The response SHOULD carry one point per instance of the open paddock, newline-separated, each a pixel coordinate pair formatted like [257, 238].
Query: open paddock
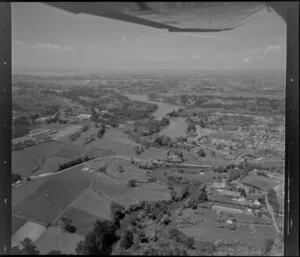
[118, 191]
[154, 153]
[54, 239]
[116, 141]
[263, 182]
[64, 133]
[82, 220]
[130, 170]
[25, 161]
[17, 223]
[29, 229]
[50, 199]
[91, 202]
[206, 231]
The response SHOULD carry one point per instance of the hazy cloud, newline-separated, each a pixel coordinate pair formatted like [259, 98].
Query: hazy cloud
[123, 38]
[166, 59]
[141, 39]
[197, 56]
[52, 47]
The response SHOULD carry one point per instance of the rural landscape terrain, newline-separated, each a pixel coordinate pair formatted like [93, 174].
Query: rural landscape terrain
[149, 163]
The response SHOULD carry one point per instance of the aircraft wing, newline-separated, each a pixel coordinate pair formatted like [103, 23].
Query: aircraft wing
[174, 16]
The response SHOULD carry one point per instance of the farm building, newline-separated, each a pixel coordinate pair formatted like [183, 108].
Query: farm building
[219, 184]
[219, 209]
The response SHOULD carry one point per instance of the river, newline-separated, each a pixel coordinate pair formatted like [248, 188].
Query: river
[177, 127]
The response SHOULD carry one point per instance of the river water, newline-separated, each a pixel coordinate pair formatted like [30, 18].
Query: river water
[177, 127]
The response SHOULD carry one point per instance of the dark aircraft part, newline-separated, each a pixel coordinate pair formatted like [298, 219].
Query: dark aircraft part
[173, 16]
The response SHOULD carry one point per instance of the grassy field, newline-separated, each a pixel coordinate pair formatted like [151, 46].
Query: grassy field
[17, 223]
[206, 231]
[54, 239]
[29, 229]
[50, 199]
[118, 191]
[154, 153]
[116, 141]
[92, 203]
[19, 194]
[83, 221]
[64, 133]
[262, 182]
[130, 170]
[25, 161]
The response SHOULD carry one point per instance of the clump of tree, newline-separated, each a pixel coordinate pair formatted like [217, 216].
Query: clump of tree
[201, 153]
[74, 162]
[127, 239]
[191, 128]
[101, 131]
[131, 183]
[67, 225]
[28, 248]
[242, 191]
[15, 178]
[100, 240]
[117, 212]
[180, 237]
[54, 252]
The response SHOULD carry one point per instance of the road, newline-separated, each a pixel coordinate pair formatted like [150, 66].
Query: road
[109, 157]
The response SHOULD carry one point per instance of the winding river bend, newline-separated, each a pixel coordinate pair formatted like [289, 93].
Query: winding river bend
[177, 127]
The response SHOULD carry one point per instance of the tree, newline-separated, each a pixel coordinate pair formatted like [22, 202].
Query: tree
[242, 191]
[131, 183]
[28, 248]
[201, 153]
[101, 132]
[116, 212]
[127, 239]
[67, 225]
[100, 240]
[54, 252]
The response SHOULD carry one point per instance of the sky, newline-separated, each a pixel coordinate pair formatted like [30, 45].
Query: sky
[45, 37]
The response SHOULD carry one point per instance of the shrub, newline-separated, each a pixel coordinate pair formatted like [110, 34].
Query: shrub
[116, 211]
[127, 239]
[131, 183]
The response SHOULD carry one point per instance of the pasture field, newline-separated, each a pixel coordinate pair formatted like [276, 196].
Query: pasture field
[116, 141]
[130, 170]
[206, 231]
[29, 229]
[64, 133]
[82, 220]
[154, 153]
[263, 182]
[118, 191]
[54, 239]
[97, 152]
[51, 164]
[17, 223]
[19, 194]
[50, 199]
[92, 203]
[25, 161]
[70, 151]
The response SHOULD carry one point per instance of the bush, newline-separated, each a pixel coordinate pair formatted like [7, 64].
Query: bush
[127, 239]
[67, 225]
[116, 212]
[268, 244]
[15, 177]
[131, 183]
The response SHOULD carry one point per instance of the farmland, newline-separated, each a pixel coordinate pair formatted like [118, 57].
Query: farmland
[149, 157]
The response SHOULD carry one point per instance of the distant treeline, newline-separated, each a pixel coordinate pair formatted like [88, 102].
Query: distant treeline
[74, 162]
